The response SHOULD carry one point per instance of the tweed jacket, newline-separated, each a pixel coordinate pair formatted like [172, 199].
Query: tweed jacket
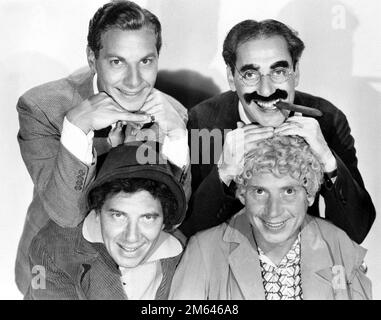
[348, 204]
[223, 263]
[76, 269]
[59, 178]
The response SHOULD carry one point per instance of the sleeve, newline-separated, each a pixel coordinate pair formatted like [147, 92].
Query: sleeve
[58, 176]
[348, 204]
[211, 204]
[190, 279]
[77, 142]
[48, 281]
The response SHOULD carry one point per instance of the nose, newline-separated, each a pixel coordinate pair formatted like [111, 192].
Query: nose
[265, 86]
[132, 232]
[273, 207]
[132, 78]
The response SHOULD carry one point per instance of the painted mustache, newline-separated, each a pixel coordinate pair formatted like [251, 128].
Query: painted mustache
[278, 94]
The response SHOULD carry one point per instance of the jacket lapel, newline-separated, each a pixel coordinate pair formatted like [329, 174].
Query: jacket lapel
[97, 277]
[243, 258]
[316, 264]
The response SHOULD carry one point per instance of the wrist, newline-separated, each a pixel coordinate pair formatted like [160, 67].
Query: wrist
[329, 163]
[77, 121]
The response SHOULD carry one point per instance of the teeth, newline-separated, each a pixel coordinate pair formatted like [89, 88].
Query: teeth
[129, 93]
[129, 249]
[267, 105]
[274, 225]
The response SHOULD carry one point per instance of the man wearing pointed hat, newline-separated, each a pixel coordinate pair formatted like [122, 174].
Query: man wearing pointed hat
[124, 249]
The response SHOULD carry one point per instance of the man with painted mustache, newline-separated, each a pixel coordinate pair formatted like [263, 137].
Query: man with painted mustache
[262, 64]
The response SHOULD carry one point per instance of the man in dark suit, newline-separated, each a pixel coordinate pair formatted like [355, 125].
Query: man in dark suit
[262, 61]
[66, 124]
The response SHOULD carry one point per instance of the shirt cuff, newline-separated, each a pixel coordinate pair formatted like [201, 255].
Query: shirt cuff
[77, 142]
[175, 149]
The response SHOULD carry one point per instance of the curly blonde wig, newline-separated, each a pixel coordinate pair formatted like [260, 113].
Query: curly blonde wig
[283, 155]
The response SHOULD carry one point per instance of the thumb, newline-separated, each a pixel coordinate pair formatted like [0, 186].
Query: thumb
[240, 124]
[129, 136]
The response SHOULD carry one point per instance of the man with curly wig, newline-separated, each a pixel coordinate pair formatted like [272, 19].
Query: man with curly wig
[272, 249]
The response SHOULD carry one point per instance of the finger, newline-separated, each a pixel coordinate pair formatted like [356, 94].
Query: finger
[256, 129]
[240, 124]
[257, 136]
[293, 132]
[289, 126]
[133, 117]
[301, 120]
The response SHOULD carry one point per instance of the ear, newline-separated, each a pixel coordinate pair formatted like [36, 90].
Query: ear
[296, 74]
[230, 77]
[97, 214]
[310, 200]
[91, 59]
[241, 195]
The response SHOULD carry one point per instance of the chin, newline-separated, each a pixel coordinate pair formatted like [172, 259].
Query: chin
[128, 263]
[275, 121]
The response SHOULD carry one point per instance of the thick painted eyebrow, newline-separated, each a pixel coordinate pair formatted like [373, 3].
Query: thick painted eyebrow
[248, 67]
[280, 64]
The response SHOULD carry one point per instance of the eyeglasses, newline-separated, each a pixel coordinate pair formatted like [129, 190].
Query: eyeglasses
[277, 75]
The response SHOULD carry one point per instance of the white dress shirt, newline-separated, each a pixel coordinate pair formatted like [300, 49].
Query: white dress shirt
[81, 144]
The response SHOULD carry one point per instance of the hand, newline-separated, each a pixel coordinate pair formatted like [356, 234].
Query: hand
[309, 129]
[166, 116]
[237, 144]
[100, 111]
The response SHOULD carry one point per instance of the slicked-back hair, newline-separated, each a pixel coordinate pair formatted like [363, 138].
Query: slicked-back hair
[158, 190]
[123, 15]
[251, 29]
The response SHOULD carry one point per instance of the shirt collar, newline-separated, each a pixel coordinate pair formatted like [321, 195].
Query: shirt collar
[292, 256]
[95, 84]
[166, 246]
[242, 114]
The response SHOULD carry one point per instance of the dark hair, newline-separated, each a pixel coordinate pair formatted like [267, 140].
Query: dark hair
[251, 29]
[158, 190]
[124, 15]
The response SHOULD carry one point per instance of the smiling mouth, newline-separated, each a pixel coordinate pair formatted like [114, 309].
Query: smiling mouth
[274, 226]
[130, 93]
[129, 249]
[267, 106]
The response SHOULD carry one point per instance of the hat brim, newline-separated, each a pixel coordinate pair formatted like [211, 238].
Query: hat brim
[152, 172]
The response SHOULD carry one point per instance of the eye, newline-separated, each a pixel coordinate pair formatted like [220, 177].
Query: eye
[118, 215]
[259, 191]
[147, 61]
[115, 62]
[250, 75]
[150, 217]
[289, 191]
[279, 72]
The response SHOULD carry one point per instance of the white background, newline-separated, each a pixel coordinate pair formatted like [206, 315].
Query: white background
[43, 40]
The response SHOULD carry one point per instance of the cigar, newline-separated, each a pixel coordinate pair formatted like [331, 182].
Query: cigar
[298, 108]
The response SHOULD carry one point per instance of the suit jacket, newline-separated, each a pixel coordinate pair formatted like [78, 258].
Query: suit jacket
[59, 178]
[76, 269]
[223, 263]
[348, 204]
